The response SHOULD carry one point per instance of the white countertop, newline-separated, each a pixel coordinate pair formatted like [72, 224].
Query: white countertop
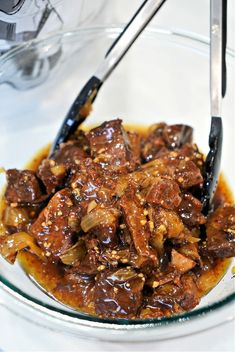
[17, 334]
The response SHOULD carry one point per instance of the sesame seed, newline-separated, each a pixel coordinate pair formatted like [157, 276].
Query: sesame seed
[155, 284]
[14, 205]
[162, 228]
[114, 252]
[143, 222]
[146, 212]
[101, 267]
[59, 213]
[124, 260]
[49, 222]
[69, 203]
[74, 185]
[151, 225]
[115, 289]
[141, 275]
[127, 284]
[122, 226]
[48, 254]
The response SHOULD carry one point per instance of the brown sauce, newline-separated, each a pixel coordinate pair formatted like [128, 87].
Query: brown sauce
[51, 278]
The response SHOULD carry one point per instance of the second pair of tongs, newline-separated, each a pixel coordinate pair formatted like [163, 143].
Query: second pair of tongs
[218, 34]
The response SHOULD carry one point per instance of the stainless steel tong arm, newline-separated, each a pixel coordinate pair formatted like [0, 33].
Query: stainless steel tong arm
[216, 56]
[140, 20]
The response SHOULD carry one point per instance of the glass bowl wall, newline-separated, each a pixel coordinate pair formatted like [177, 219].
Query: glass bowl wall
[164, 77]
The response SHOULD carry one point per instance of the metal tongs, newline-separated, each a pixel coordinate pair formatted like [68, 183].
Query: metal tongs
[218, 38]
[82, 105]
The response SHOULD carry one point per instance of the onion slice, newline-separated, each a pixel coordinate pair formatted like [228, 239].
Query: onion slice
[15, 243]
[99, 217]
[75, 253]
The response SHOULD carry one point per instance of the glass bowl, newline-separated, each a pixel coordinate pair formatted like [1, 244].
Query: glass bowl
[164, 77]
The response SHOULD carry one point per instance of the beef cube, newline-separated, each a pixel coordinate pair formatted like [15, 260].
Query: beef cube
[80, 288]
[51, 174]
[192, 152]
[90, 182]
[153, 143]
[175, 136]
[118, 293]
[137, 224]
[164, 192]
[190, 297]
[87, 180]
[89, 265]
[70, 154]
[187, 174]
[162, 138]
[190, 210]
[22, 187]
[175, 298]
[181, 262]
[57, 224]
[220, 229]
[110, 146]
[184, 172]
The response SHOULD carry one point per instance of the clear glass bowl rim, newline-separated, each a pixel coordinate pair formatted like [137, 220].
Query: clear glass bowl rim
[81, 318]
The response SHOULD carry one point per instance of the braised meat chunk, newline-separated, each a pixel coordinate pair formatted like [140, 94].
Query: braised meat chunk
[221, 232]
[172, 297]
[165, 193]
[190, 210]
[112, 223]
[138, 226]
[110, 146]
[162, 138]
[52, 175]
[118, 293]
[22, 187]
[70, 154]
[56, 225]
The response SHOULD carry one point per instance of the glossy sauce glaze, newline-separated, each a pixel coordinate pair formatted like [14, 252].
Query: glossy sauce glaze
[51, 278]
[79, 294]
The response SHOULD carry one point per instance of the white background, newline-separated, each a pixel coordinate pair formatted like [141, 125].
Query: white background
[19, 335]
